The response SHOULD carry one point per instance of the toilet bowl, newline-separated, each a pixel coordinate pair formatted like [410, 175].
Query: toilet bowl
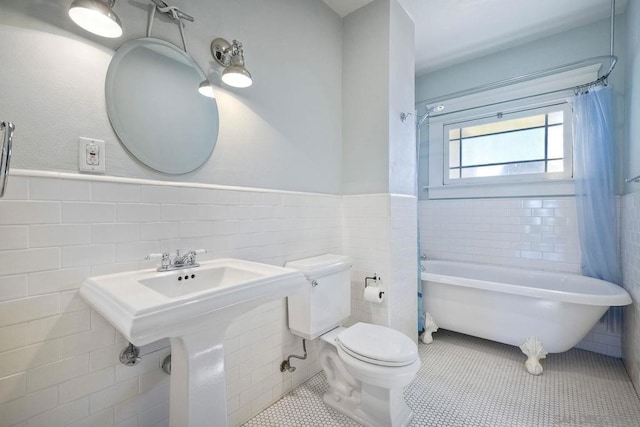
[367, 380]
[367, 366]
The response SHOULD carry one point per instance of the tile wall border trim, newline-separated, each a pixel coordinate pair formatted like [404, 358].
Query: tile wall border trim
[408, 196]
[30, 173]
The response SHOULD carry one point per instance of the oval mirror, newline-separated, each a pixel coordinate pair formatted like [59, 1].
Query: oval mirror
[156, 109]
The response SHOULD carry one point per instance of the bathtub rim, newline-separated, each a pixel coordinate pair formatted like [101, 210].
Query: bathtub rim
[619, 297]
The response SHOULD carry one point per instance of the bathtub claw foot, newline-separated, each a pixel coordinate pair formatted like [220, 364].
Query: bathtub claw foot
[429, 328]
[534, 350]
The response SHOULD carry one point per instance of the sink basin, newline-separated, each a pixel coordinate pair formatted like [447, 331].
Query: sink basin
[193, 308]
[147, 305]
[196, 280]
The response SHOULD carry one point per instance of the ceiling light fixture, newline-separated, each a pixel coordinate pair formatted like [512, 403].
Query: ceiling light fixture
[97, 17]
[231, 56]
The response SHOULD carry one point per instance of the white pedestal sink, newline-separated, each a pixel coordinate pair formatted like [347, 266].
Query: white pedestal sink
[193, 308]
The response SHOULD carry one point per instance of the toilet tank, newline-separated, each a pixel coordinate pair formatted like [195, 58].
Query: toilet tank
[326, 302]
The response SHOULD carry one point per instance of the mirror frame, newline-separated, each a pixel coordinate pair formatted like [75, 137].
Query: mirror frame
[167, 156]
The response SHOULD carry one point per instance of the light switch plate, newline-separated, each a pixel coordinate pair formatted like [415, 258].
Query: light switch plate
[91, 155]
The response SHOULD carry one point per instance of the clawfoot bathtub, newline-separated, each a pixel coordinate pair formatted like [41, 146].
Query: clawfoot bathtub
[540, 312]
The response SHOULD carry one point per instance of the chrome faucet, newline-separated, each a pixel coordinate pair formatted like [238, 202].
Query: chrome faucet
[188, 260]
[182, 260]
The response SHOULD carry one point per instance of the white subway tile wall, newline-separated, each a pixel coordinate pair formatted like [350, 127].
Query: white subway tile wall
[366, 237]
[59, 359]
[534, 233]
[523, 232]
[630, 254]
[403, 299]
[380, 235]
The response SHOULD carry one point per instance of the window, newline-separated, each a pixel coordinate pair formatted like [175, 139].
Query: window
[506, 147]
[512, 141]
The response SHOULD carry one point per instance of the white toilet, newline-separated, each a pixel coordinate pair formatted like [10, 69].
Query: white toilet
[367, 366]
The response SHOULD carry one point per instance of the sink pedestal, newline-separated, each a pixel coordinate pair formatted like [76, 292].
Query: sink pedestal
[198, 388]
[193, 307]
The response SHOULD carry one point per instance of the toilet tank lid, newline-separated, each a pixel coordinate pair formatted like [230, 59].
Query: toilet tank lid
[322, 265]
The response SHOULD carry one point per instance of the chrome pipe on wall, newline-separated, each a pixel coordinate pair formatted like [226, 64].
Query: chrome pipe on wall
[5, 159]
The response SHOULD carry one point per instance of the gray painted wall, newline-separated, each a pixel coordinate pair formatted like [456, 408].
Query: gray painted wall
[365, 100]
[630, 215]
[402, 136]
[284, 132]
[631, 165]
[378, 84]
[559, 49]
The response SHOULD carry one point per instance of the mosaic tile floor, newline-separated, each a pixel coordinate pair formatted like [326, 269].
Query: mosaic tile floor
[466, 381]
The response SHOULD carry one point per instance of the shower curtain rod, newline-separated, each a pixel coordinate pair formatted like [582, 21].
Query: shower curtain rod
[537, 74]
[528, 77]
[519, 79]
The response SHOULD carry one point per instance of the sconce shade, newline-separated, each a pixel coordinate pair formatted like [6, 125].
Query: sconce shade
[206, 89]
[96, 17]
[231, 57]
[237, 76]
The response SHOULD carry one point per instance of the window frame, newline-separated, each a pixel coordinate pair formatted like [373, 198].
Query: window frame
[531, 95]
[499, 116]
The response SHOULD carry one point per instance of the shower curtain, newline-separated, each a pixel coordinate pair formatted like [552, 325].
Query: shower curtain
[594, 175]
[419, 122]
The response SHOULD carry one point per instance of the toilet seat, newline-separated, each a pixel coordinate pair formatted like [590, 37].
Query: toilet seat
[377, 345]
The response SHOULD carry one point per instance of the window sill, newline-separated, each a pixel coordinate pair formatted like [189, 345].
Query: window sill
[542, 188]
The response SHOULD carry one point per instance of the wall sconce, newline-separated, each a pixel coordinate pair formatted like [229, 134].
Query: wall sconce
[97, 17]
[206, 89]
[231, 56]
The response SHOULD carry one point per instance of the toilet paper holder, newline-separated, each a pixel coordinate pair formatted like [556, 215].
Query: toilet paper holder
[372, 293]
[375, 278]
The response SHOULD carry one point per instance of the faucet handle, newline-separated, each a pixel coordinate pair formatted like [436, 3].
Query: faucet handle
[164, 257]
[192, 254]
[156, 256]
